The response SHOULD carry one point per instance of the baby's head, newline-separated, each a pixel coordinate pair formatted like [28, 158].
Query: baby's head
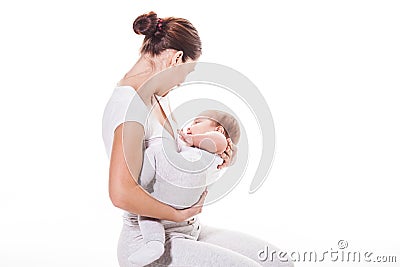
[216, 120]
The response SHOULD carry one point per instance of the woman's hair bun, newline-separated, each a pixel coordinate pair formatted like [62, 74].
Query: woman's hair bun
[146, 24]
[167, 33]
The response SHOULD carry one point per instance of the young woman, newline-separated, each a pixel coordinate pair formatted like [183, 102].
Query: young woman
[170, 49]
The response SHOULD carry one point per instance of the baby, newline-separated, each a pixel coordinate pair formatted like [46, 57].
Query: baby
[179, 176]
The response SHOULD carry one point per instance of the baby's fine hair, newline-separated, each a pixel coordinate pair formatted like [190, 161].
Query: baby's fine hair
[227, 121]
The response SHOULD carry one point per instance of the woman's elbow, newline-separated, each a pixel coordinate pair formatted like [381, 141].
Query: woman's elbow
[116, 191]
[116, 199]
[121, 187]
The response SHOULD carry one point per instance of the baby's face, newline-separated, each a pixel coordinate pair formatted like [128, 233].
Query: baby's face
[201, 125]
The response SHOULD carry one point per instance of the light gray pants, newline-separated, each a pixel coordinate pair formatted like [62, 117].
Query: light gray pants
[191, 244]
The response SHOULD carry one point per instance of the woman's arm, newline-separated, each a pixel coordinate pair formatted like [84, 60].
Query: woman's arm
[124, 190]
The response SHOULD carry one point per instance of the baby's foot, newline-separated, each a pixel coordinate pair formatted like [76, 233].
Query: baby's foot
[150, 252]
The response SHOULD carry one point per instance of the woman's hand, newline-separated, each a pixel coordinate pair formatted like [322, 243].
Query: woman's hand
[184, 214]
[227, 155]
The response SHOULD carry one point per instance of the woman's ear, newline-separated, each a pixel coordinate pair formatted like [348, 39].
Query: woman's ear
[177, 58]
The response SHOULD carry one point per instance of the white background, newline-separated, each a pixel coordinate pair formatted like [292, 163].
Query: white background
[329, 71]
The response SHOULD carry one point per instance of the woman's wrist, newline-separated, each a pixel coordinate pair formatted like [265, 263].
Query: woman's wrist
[175, 215]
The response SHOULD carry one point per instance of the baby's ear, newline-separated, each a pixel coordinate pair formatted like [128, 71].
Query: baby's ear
[220, 129]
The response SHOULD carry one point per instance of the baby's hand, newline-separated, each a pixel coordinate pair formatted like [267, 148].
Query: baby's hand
[185, 137]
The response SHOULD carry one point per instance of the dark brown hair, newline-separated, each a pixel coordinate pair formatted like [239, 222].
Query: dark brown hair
[167, 33]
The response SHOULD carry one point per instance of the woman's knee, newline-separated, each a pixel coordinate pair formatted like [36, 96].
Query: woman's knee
[244, 244]
[185, 252]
